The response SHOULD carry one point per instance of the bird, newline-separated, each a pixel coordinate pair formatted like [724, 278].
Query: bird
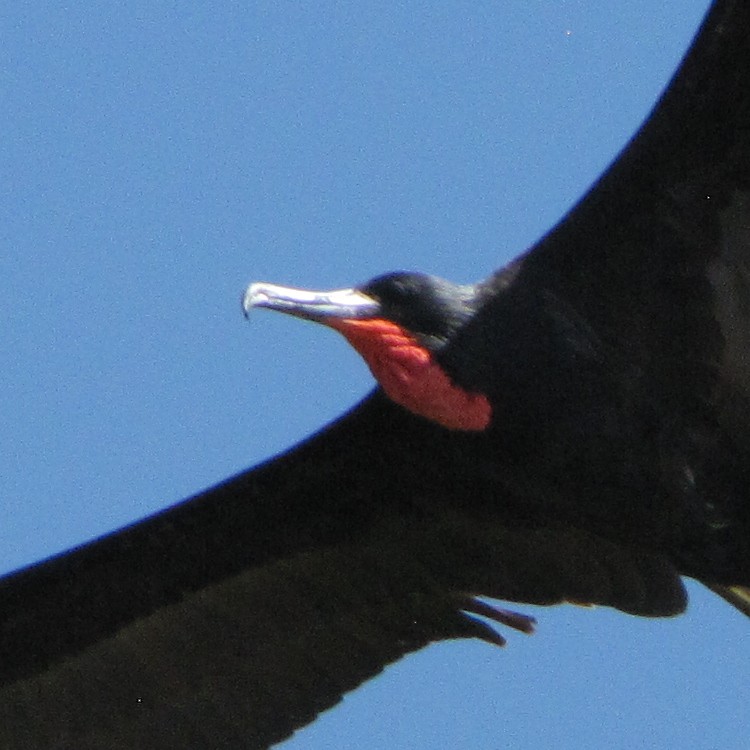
[574, 428]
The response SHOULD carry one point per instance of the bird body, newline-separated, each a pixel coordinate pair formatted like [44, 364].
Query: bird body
[575, 428]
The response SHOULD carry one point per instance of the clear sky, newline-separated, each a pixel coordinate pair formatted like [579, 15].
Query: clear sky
[157, 156]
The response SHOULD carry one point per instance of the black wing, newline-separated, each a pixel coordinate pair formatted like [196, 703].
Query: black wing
[649, 276]
[235, 617]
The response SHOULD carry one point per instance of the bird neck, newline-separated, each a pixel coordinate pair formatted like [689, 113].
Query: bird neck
[411, 376]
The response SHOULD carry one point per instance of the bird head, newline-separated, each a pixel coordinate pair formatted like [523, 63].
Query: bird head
[398, 323]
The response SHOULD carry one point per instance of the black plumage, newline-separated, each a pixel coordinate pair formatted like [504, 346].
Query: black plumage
[622, 471]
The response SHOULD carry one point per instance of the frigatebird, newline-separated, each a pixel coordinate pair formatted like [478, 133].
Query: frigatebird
[605, 452]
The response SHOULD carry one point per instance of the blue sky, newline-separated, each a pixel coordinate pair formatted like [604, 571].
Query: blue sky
[158, 156]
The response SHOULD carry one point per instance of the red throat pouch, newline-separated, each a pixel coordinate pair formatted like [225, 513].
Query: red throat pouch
[410, 376]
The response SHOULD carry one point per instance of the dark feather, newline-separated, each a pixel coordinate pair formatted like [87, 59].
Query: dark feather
[234, 618]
